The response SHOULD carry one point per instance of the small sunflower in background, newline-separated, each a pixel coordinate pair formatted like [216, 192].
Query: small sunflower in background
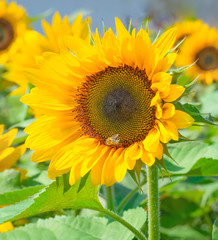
[13, 24]
[34, 44]
[105, 105]
[202, 48]
[9, 155]
[187, 28]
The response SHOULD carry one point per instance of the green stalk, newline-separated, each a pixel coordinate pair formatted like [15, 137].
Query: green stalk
[153, 203]
[110, 197]
[119, 219]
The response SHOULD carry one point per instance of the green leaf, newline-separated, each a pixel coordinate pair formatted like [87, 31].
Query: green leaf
[12, 197]
[209, 102]
[9, 180]
[24, 123]
[20, 138]
[194, 112]
[54, 198]
[193, 158]
[115, 230]
[183, 233]
[12, 110]
[74, 228]
[215, 230]
[41, 16]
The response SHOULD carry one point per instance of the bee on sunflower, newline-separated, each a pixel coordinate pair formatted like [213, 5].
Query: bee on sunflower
[202, 48]
[106, 105]
[34, 44]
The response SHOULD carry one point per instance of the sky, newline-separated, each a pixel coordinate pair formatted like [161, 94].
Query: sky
[162, 11]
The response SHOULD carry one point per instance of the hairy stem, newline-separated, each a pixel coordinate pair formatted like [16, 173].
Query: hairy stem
[110, 197]
[153, 203]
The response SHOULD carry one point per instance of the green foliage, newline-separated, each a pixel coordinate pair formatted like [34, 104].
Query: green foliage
[12, 110]
[9, 180]
[183, 232]
[53, 198]
[68, 227]
[194, 159]
[195, 113]
[215, 230]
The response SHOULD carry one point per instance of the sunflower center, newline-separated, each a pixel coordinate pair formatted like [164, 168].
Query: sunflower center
[207, 58]
[119, 105]
[114, 104]
[6, 34]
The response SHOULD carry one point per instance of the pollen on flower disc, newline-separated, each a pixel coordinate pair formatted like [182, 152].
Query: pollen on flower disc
[116, 101]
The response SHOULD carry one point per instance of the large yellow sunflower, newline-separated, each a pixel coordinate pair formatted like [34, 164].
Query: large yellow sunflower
[104, 106]
[34, 44]
[13, 24]
[201, 47]
[9, 155]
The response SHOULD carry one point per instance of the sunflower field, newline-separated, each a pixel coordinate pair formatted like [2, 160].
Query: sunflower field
[108, 120]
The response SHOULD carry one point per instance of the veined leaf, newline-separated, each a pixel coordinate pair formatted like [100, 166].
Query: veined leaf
[195, 159]
[194, 112]
[74, 228]
[54, 198]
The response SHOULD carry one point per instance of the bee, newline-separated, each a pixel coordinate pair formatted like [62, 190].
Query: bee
[113, 141]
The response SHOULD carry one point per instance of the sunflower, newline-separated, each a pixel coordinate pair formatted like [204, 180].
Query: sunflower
[201, 47]
[6, 227]
[13, 24]
[9, 155]
[34, 44]
[105, 105]
[187, 28]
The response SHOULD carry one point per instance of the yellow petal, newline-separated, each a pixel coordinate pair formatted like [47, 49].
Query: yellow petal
[108, 171]
[6, 227]
[158, 111]
[10, 156]
[165, 63]
[171, 129]
[151, 141]
[1, 129]
[165, 42]
[121, 166]
[168, 110]
[159, 152]
[122, 33]
[7, 138]
[96, 171]
[148, 158]
[75, 174]
[164, 135]
[181, 119]
[175, 92]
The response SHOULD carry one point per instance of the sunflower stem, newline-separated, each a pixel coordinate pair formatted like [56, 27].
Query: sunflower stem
[153, 203]
[110, 197]
[119, 219]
